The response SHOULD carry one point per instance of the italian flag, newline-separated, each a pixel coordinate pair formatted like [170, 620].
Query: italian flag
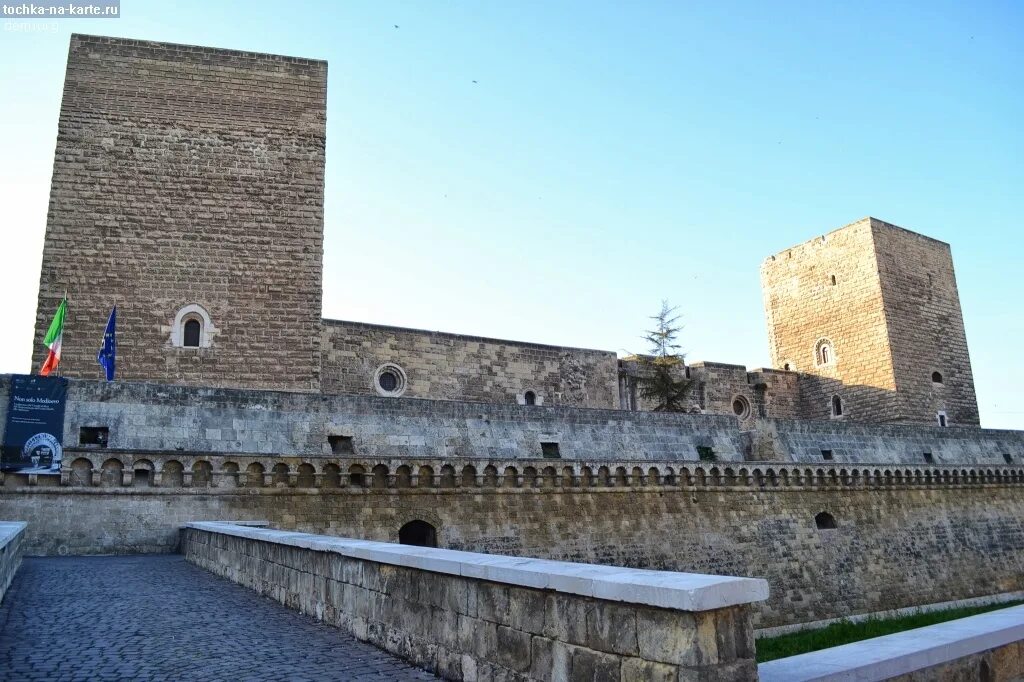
[53, 338]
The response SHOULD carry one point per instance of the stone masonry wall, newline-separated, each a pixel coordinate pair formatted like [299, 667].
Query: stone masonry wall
[851, 443]
[154, 417]
[803, 306]
[900, 541]
[188, 175]
[465, 628]
[455, 367]
[926, 326]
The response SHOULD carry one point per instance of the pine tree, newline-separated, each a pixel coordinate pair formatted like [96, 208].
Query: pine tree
[661, 378]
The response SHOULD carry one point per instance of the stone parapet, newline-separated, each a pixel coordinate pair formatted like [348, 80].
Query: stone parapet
[989, 646]
[470, 616]
[12, 537]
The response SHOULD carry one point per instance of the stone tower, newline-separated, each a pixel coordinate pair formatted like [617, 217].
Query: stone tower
[188, 189]
[869, 314]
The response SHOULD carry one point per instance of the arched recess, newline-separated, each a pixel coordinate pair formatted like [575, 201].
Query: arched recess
[418, 533]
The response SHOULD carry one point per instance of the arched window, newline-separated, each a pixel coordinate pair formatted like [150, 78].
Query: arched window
[824, 521]
[936, 377]
[192, 328]
[191, 336]
[824, 354]
[837, 406]
[530, 398]
[418, 533]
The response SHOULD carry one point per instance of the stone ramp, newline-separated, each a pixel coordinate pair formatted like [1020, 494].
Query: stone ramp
[156, 617]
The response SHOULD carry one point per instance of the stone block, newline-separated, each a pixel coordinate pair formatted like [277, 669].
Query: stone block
[594, 666]
[639, 670]
[667, 636]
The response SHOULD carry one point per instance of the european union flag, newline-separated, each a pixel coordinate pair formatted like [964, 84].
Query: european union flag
[108, 351]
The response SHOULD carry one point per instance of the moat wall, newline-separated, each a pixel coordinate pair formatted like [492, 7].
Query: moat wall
[895, 545]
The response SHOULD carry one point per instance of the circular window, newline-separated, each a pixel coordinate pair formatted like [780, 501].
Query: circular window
[741, 407]
[389, 380]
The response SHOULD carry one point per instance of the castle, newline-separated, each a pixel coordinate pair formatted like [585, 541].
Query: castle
[191, 194]
[188, 189]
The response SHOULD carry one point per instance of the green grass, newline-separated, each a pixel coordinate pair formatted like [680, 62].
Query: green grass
[844, 632]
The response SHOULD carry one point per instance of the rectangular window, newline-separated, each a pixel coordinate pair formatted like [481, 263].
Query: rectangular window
[942, 419]
[706, 453]
[1008, 457]
[342, 445]
[550, 450]
[94, 435]
[929, 458]
[826, 454]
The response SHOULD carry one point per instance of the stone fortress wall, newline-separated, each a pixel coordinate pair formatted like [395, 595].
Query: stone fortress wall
[625, 489]
[445, 366]
[903, 535]
[177, 170]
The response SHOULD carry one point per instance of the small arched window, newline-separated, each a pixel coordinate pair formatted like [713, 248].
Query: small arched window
[936, 377]
[824, 354]
[824, 521]
[192, 328]
[530, 398]
[837, 406]
[192, 333]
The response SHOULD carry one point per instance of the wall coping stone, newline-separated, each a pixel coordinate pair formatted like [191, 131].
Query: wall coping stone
[664, 589]
[10, 530]
[901, 653]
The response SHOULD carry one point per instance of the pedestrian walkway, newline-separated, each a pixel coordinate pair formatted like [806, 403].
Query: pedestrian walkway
[157, 617]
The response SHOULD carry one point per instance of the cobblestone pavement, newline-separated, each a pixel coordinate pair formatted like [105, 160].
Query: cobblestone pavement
[159, 618]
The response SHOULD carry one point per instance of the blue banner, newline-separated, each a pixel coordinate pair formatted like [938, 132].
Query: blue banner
[34, 432]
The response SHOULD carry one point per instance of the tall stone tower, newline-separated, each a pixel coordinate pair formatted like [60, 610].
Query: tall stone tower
[188, 189]
[870, 316]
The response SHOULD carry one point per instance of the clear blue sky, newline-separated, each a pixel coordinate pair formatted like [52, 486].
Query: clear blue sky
[608, 155]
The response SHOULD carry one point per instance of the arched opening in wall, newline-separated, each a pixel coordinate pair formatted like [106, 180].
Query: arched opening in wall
[824, 354]
[279, 475]
[824, 521]
[984, 672]
[530, 398]
[837, 406]
[306, 477]
[192, 327]
[418, 533]
[192, 332]
[142, 473]
[936, 377]
[202, 474]
[356, 476]
[112, 473]
[173, 474]
[81, 472]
